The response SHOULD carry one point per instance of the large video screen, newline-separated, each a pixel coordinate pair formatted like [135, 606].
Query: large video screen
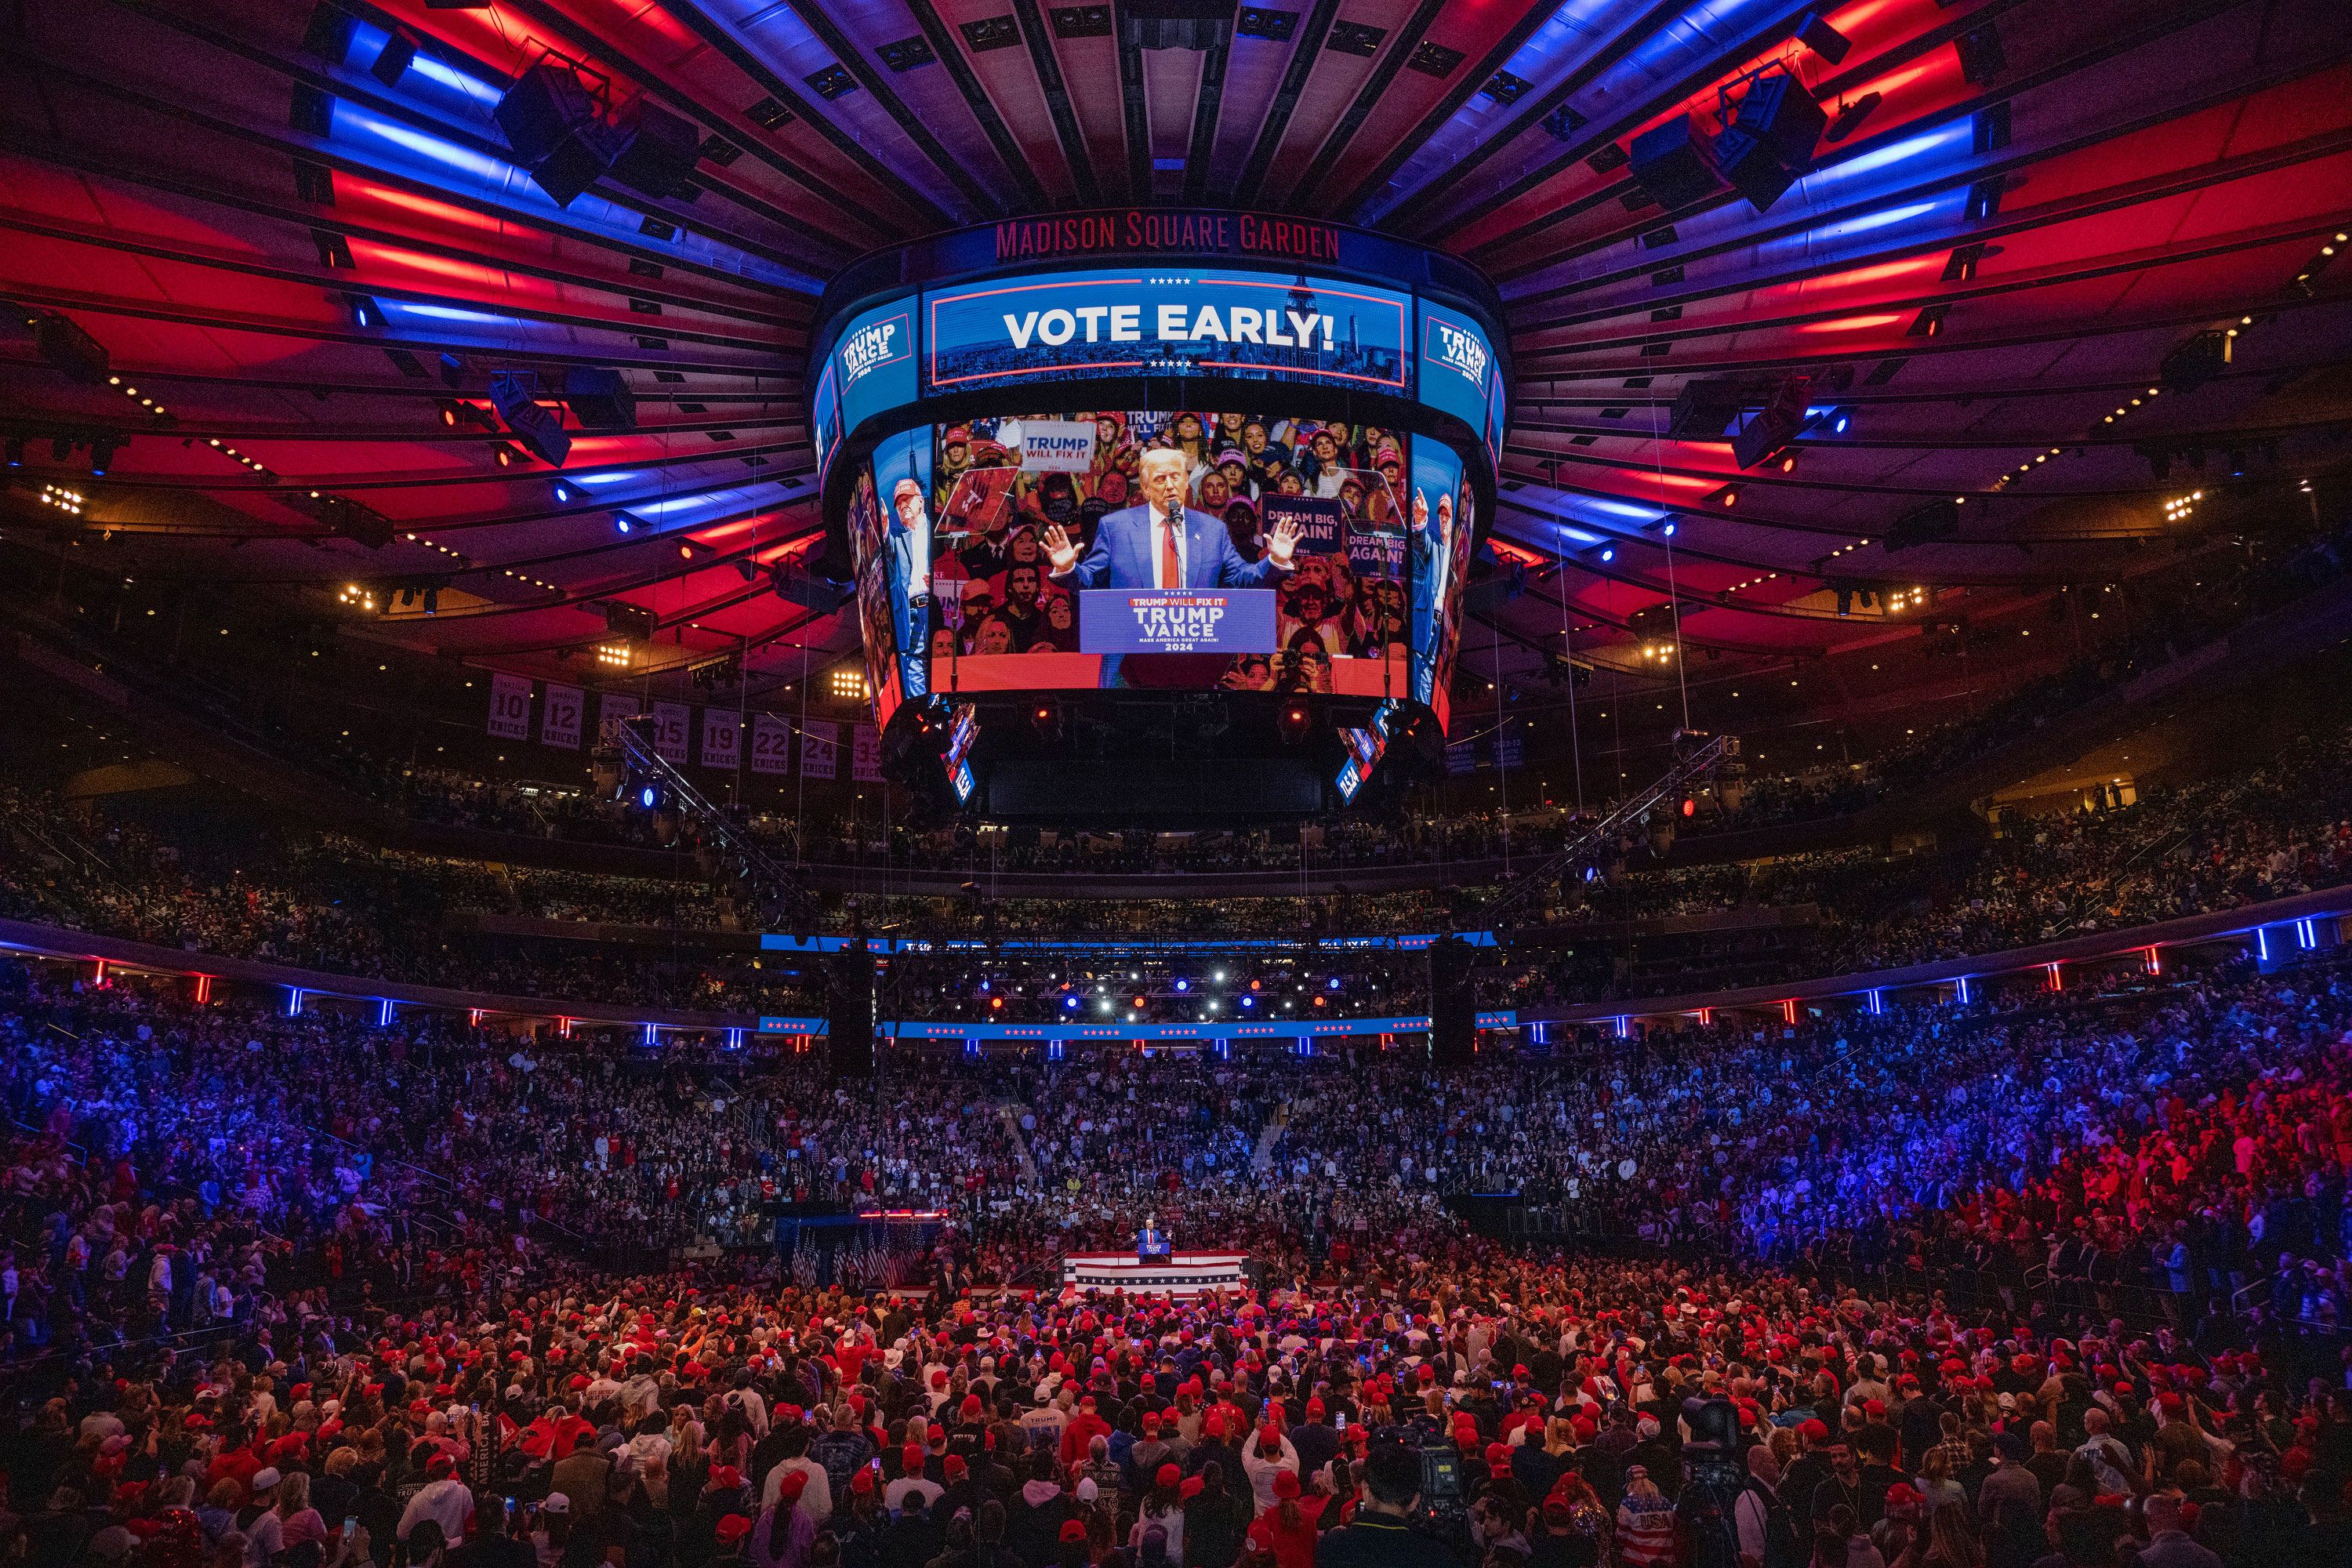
[1045, 544]
[1012, 332]
[1092, 548]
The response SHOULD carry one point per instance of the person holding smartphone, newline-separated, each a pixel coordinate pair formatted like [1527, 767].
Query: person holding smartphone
[495, 1543]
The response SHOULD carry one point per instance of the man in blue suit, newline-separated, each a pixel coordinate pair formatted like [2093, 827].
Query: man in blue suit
[1137, 548]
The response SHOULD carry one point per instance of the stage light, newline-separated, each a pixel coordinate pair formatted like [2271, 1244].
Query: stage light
[1255, 984]
[1294, 722]
[1608, 553]
[563, 493]
[1726, 498]
[615, 655]
[1249, 1001]
[1690, 806]
[515, 395]
[1182, 983]
[16, 449]
[1046, 720]
[648, 797]
[365, 312]
[847, 684]
[1070, 1002]
[623, 522]
[1334, 984]
[1668, 531]
[1840, 421]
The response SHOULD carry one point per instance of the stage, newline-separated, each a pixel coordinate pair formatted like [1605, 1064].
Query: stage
[1178, 1273]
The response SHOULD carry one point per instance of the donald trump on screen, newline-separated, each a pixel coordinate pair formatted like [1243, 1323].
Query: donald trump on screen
[1160, 545]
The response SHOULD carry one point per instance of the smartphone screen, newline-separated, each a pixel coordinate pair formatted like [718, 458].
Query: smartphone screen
[351, 1525]
[1339, 1422]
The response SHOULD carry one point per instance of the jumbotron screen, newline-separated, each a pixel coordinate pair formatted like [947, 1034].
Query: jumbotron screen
[1236, 549]
[1273, 488]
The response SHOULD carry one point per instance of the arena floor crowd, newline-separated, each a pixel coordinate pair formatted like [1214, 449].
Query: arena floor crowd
[2055, 1284]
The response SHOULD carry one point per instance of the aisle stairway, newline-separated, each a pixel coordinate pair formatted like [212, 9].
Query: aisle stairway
[1262, 1157]
[1009, 1112]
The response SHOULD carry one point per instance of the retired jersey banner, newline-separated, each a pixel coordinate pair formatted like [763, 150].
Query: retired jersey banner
[510, 707]
[771, 744]
[559, 716]
[610, 711]
[1161, 620]
[722, 738]
[865, 755]
[671, 728]
[819, 744]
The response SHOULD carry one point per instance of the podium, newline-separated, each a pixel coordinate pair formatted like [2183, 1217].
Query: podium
[1177, 1274]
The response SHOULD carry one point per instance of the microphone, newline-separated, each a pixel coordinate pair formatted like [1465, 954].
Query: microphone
[1176, 529]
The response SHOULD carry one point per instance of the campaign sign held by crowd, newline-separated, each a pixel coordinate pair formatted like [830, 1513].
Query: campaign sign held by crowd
[1322, 523]
[1157, 620]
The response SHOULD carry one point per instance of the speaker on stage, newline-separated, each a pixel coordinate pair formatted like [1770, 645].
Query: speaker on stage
[849, 1016]
[1452, 1004]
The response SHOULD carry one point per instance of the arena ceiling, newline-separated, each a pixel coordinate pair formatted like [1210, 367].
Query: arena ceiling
[2034, 205]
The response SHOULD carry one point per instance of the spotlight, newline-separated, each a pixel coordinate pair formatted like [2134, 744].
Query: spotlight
[563, 493]
[1046, 719]
[1182, 983]
[365, 312]
[15, 450]
[1726, 498]
[101, 457]
[1294, 722]
[1929, 322]
[1840, 421]
[1608, 553]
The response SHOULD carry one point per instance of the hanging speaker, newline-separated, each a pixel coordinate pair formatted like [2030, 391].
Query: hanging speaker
[1452, 1004]
[1778, 112]
[553, 125]
[1752, 168]
[659, 153]
[1675, 164]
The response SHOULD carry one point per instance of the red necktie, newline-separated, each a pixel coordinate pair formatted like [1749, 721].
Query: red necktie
[1171, 568]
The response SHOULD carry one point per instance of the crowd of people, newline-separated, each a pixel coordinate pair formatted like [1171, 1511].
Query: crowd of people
[280, 1291]
[1626, 930]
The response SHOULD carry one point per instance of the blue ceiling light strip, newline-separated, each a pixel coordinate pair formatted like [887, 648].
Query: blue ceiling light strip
[1558, 47]
[783, 42]
[398, 148]
[1700, 34]
[1901, 165]
[429, 80]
